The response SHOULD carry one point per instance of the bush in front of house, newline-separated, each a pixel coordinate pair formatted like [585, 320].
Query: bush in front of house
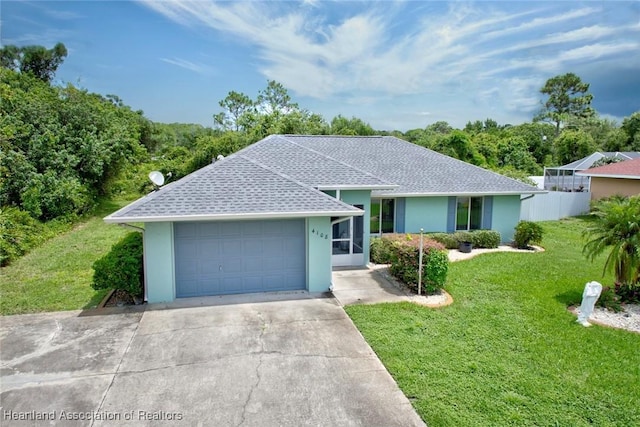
[405, 251]
[446, 239]
[122, 267]
[527, 233]
[381, 250]
[463, 237]
[488, 239]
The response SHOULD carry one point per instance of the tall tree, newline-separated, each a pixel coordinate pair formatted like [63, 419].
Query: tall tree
[275, 98]
[354, 126]
[36, 60]
[568, 97]
[631, 128]
[235, 105]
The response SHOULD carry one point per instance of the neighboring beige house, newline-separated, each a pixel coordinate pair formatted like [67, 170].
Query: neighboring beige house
[614, 179]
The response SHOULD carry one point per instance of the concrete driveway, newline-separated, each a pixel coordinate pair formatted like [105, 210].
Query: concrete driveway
[286, 363]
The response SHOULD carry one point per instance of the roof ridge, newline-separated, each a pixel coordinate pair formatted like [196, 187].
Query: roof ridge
[329, 136]
[336, 160]
[291, 179]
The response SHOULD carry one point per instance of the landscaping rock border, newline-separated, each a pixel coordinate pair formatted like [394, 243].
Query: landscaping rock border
[627, 319]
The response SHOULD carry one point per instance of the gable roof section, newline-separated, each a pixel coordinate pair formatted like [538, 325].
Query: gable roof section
[236, 187]
[586, 162]
[416, 170]
[315, 169]
[629, 169]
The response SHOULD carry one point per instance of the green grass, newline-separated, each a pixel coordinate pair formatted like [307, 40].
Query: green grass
[507, 352]
[57, 275]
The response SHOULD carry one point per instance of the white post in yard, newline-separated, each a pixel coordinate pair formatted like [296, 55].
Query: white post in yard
[420, 264]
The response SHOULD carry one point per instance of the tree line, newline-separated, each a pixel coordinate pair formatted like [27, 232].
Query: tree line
[63, 149]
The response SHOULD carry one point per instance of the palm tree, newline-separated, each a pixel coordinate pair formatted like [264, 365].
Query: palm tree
[616, 227]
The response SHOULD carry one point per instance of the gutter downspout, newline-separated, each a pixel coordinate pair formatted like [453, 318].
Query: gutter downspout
[144, 254]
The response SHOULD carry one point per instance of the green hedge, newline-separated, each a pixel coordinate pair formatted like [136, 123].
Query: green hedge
[489, 239]
[402, 251]
[121, 268]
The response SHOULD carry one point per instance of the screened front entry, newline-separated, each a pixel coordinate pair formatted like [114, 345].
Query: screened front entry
[347, 241]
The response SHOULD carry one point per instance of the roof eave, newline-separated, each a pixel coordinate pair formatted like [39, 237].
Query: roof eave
[358, 187]
[466, 193]
[606, 175]
[226, 217]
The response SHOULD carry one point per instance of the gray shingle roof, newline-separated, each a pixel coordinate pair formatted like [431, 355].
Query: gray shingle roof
[234, 187]
[304, 164]
[281, 175]
[415, 169]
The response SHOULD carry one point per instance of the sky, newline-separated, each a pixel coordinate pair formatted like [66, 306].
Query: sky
[394, 64]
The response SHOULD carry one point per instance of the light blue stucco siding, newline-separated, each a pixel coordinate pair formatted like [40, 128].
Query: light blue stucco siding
[361, 197]
[428, 213]
[505, 215]
[318, 254]
[159, 262]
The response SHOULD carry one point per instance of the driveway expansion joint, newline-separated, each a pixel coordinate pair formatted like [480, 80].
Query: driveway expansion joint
[115, 374]
[263, 328]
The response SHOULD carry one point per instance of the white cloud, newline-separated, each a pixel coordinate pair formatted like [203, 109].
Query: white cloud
[485, 52]
[187, 65]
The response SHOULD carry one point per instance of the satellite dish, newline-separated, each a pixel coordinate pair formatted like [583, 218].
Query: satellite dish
[220, 157]
[157, 178]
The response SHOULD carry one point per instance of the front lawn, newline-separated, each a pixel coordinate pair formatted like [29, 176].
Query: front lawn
[57, 275]
[507, 352]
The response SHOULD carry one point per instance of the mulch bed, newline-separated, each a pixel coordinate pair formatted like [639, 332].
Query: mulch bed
[118, 298]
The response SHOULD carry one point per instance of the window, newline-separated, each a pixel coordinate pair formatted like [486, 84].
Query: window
[469, 213]
[382, 216]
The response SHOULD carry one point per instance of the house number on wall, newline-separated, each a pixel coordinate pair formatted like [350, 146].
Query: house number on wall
[322, 235]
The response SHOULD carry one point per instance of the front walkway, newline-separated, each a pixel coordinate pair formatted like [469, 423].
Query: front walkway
[372, 285]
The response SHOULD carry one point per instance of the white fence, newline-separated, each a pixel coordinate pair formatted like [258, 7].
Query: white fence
[554, 205]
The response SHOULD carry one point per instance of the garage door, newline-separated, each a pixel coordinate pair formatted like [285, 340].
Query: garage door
[218, 258]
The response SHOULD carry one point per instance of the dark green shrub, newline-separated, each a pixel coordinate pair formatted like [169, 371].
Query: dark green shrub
[628, 293]
[609, 300]
[19, 232]
[463, 236]
[446, 239]
[381, 250]
[489, 239]
[122, 267]
[435, 263]
[527, 233]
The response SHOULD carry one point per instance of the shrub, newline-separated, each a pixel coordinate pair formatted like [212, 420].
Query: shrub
[405, 259]
[122, 267]
[381, 250]
[463, 236]
[19, 232]
[628, 293]
[489, 239]
[609, 300]
[446, 239]
[527, 232]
